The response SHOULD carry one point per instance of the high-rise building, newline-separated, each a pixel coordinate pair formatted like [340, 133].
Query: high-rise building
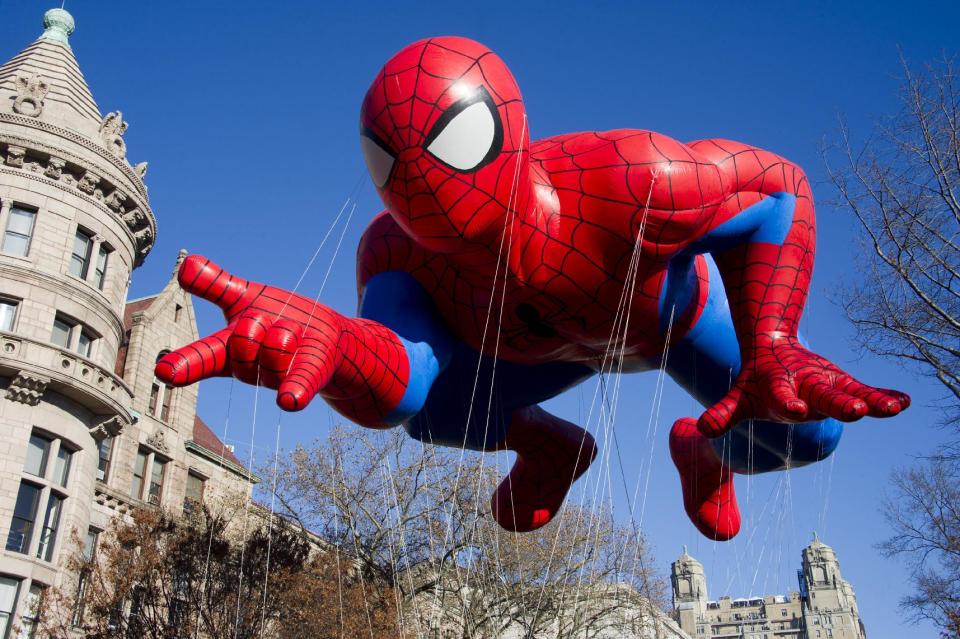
[825, 605]
[87, 431]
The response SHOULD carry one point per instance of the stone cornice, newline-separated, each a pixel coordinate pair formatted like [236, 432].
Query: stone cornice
[118, 163]
[139, 199]
[14, 271]
[137, 255]
[220, 460]
[88, 181]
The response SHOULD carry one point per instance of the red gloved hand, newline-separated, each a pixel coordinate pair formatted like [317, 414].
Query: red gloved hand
[783, 381]
[273, 337]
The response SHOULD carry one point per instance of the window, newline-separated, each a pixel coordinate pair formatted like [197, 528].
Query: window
[8, 313]
[80, 258]
[71, 335]
[90, 543]
[194, 496]
[48, 536]
[139, 473]
[106, 452]
[37, 452]
[24, 516]
[85, 344]
[89, 549]
[177, 311]
[30, 617]
[46, 470]
[61, 466]
[149, 488]
[156, 481]
[161, 398]
[180, 596]
[165, 404]
[8, 601]
[100, 273]
[62, 331]
[135, 621]
[16, 239]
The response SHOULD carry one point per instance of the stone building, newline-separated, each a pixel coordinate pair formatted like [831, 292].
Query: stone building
[88, 432]
[824, 607]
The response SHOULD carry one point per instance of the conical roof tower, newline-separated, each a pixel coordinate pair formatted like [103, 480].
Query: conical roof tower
[68, 99]
[51, 125]
[75, 221]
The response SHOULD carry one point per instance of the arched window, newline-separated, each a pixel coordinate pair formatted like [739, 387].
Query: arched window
[161, 396]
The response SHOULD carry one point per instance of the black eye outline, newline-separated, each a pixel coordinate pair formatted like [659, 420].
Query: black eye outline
[367, 132]
[496, 145]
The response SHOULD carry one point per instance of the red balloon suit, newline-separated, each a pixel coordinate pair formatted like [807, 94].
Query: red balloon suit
[534, 265]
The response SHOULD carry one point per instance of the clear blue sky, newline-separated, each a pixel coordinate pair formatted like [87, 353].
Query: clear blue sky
[247, 114]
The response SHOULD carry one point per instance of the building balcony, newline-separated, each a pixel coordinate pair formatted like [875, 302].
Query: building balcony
[36, 367]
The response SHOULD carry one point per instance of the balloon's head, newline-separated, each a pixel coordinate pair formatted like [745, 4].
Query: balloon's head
[444, 134]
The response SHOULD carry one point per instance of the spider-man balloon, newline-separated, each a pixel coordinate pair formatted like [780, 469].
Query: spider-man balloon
[505, 271]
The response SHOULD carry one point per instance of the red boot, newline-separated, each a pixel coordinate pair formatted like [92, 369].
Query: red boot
[708, 495]
[551, 455]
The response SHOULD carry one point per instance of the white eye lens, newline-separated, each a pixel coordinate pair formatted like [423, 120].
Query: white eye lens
[466, 140]
[379, 162]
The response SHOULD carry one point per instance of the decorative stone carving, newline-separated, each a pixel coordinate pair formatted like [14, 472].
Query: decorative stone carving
[115, 200]
[54, 168]
[112, 499]
[134, 218]
[112, 129]
[88, 182]
[109, 427]
[141, 170]
[31, 90]
[181, 256]
[158, 442]
[27, 388]
[15, 156]
[143, 237]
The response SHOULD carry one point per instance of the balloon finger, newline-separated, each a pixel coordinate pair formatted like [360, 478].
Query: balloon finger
[310, 370]
[278, 349]
[205, 278]
[200, 360]
[722, 416]
[243, 347]
[785, 402]
[881, 402]
[831, 402]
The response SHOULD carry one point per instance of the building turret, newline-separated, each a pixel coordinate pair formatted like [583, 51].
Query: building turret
[830, 605]
[689, 589]
[74, 223]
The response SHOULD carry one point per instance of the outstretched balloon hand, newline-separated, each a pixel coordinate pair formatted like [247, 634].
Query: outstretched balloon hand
[783, 381]
[292, 344]
[273, 337]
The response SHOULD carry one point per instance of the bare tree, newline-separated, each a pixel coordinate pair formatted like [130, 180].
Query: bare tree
[418, 517]
[903, 186]
[924, 512]
[159, 576]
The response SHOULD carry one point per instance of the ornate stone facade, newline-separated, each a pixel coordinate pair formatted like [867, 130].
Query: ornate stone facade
[825, 607]
[88, 432]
